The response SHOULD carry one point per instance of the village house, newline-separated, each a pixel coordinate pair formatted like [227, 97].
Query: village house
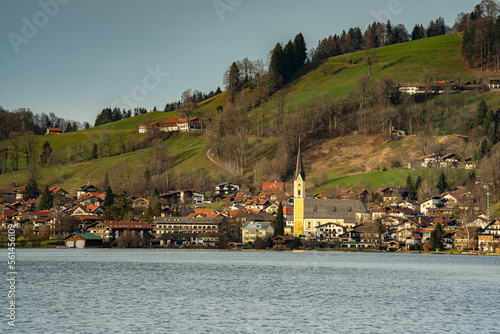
[83, 240]
[450, 160]
[54, 131]
[391, 195]
[188, 231]
[88, 188]
[489, 238]
[431, 203]
[112, 230]
[494, 84]
[181, 197]
[329, 232]
[429, 160]
[251, 231]
[58, 192]
[140, 203]
[354, 193]
[282, 242]
[83, 210]
[226, 188]
[173, 125]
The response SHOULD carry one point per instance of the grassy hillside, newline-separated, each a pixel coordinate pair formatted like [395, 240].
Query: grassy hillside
[354, 160]
[187, 155]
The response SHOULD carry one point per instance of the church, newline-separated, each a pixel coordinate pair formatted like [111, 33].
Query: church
[309, 213]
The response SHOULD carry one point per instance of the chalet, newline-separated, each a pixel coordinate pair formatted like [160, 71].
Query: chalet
[198, 198]
[176, 125]
[398, 133]
[143, 128]
[353, 193]
[429, 160]
[329, 231]
[273, 186]
[83, 240]
[178, 197]
[194, 124]
[86, 189]
[140, 203]
[58, 192]
[450, 160]
[431, 203]
[489, 238]
[282, 242]
[272, 209]
[494, 84]
[440, 212]
[226, 188]
[392, 194]
[111, 230]
[251, 231]
[54, 131]
[84, 210]
[235, 245]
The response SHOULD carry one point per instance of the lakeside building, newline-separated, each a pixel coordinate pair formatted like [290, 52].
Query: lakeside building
[311, 213]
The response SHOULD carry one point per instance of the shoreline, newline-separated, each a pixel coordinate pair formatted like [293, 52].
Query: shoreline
[255, 250]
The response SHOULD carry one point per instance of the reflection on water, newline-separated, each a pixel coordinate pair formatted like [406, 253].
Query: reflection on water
[103, 291]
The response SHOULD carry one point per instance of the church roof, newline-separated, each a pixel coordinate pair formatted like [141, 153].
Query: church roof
[333, 209]
[299, 170]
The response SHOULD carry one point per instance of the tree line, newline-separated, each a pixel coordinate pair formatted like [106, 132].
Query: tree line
[376, 35]
[481, 41]
[24, 120]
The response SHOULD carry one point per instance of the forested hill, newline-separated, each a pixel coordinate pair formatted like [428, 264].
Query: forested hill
[342, 114]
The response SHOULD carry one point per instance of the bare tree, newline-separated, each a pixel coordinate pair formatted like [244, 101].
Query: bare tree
[188, 106]
[373, 230]
[370, 58]
[28, 145]
[428, 76]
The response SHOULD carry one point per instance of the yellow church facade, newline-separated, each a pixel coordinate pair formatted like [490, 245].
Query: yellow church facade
[309, 213]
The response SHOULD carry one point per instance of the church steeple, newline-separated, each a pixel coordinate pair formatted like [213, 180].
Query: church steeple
[299, 170]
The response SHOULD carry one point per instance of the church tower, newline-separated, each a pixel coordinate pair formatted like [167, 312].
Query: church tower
[299, 195]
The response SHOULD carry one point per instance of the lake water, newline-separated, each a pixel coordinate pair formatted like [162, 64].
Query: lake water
[149, 291]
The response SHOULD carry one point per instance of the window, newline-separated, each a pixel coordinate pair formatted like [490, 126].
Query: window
[298, 192]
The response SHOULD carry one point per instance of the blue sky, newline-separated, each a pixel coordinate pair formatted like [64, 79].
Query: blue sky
[76, 57]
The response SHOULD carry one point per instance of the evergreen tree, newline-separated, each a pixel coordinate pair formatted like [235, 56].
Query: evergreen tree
[411, 187]
[276, 66]
[155, 193]
[481, 113]
[46, 151]
[442, 184]
[148, 216]
[418, 32]
[94, 151]
[109, 199]
[218, 91]
[233, 79]
[157, 209]
[299, 45]
[279, 223]
[437, 236]
[31, 190]
[483, 150]
[289, 61]
[47, 200]
[106, 183]
[124, 205]
[418, 183]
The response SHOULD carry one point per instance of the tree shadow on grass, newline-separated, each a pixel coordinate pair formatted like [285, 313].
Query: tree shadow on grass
[183, 156]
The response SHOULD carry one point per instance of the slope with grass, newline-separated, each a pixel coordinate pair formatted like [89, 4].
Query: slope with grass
[349, 160]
